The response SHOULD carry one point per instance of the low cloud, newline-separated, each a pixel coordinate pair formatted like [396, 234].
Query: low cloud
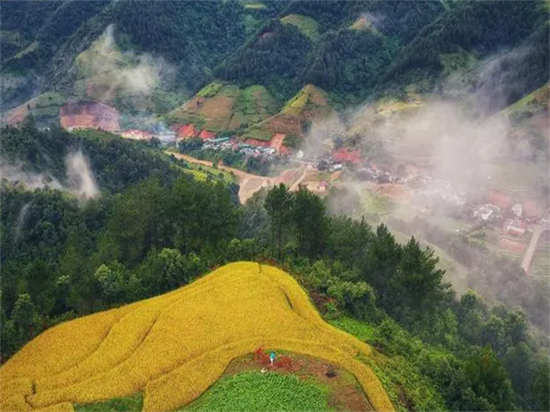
[108, 72]
[16, 174]
[80, 178]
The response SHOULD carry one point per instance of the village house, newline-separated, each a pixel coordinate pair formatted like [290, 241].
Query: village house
[515, 227]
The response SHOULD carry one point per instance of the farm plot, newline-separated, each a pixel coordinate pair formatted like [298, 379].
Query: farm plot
[257, 392]
[540, 265]
[174, 346]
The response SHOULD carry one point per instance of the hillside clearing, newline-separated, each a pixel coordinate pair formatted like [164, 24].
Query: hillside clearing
[306, 25]
[220, 107]
[174, 346]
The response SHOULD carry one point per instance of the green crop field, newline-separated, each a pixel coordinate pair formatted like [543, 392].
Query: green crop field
[256, 391]
[246, 391]
[540, 266]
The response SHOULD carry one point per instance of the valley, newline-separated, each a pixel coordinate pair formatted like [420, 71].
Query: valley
[274, 206]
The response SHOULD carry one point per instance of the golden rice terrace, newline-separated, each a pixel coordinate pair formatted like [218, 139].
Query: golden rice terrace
[173, 347]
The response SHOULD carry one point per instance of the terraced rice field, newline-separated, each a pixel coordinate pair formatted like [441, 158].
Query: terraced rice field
[515, 179]
[175, 346]
[540, 265]
[219, 107]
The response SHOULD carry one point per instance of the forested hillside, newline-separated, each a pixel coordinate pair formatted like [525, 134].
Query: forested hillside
[321, 96]
[63, 257]
[393, 46]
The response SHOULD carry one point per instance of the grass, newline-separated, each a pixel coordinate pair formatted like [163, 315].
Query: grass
[306, 25]
[361, 330]
[258, 392]
[254, 5]
[515, 178]
[210, 90]
[402, 380]
[198, 330]
[258, 133]
[377, 204]
[309, 98]
[31, 48]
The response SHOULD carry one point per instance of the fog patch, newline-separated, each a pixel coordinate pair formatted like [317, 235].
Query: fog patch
[80, 178]
[16, 174]
[109, 72]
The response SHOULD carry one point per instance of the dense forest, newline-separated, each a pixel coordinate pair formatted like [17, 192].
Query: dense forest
[64, 257]
[404, 43]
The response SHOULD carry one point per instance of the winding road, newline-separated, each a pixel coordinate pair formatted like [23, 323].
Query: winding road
[250, 183]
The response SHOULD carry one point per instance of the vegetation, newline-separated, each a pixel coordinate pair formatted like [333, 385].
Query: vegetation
[232, 296]
[160, 224]
[256, 165]
[63, 258]
[132, 403]
[255, 391]
[307, 25]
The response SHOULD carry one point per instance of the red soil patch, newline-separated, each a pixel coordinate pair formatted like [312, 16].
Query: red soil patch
[186, 131]
[265, 36]
[16, 115]
[89, 115]
[512, 245]
[276, 143]
[334, 176]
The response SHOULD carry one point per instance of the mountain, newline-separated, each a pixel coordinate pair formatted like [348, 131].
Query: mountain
[282, 46]
[359, 189]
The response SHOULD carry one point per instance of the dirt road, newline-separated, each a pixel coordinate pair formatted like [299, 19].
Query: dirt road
[250, 183]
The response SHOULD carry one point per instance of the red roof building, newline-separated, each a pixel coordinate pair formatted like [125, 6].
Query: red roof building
[515, 228]
[205, 134]
[345, 155]
[500, 199]
[260, 143]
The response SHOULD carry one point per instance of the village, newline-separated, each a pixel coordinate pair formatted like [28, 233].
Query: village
[510, 219]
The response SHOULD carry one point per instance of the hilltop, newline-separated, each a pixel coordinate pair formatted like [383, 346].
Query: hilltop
[193, 332]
